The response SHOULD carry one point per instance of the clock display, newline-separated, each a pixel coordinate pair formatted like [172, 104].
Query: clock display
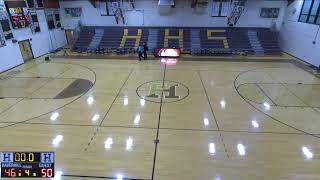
[27, 164]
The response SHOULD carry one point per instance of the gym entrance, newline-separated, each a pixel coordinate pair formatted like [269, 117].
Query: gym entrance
[26, 51]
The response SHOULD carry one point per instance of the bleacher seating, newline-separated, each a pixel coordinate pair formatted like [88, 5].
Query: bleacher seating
[205, 41]
[269, 41]
[85, 37]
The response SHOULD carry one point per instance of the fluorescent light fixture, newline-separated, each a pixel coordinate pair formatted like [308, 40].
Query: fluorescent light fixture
[212, 148]
[95, 117]
[129, 144]
[307, 153]
[254, 123]
[142, 102]
[54, 116]
[90, 100]
[57, 175]
[108, 143]
[137, 119]
[241, 149]
[126, 101]
[206, 121]
[266, 105]
[56, 141]
[223, 104]
[119, 177]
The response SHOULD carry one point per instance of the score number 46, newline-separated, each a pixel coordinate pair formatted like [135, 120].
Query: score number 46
[45, 173]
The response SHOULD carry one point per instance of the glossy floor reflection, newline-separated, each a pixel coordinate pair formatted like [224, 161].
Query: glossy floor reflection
[178, 121]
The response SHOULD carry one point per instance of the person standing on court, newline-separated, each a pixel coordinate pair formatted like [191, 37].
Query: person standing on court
[140, 51]
[146, 49]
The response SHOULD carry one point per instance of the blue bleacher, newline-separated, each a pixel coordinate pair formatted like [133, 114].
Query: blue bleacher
[239, 39]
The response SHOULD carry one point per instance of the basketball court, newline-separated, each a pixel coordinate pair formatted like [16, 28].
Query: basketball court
[225, 89]
[124, 119]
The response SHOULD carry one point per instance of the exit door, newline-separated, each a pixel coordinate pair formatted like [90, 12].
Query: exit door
[70, 37]
[26, 50]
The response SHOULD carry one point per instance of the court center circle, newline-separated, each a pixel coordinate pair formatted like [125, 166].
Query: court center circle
[163, 91]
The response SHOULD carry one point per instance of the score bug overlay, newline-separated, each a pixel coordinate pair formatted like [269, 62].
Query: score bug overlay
[27, 164]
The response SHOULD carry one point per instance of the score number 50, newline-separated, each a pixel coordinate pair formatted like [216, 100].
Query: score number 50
[47, 173]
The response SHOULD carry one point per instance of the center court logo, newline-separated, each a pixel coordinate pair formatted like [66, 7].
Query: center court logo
[168, 91]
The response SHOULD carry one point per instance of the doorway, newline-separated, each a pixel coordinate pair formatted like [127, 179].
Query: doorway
[70, 37]
[26, 50]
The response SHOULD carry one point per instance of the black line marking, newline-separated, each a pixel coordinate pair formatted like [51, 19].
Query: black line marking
[248, 102]
[235, 59]
[99, 177]
[208, 99]
[20, 69]
[109, 108]
[12, 97]
[114, 100]
[288, 89]
[38, 77]
[3, 78]
[215, 118]
[158, 127]
[28, 97]
[233, 131]
[151, 128]
[219, 70]
[5, 110]
[262, 90]
[82, 125]
[287, 106]
[8, 71]
[7, 75]
[279, 83]
[95, 78]
[44, 84]
[303, 66]
[249, 98]
[317, 109]
[224, 144]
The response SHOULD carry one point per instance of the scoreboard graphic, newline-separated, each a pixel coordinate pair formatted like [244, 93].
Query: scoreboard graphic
[20, 17]
[27, 164]
[19, 14]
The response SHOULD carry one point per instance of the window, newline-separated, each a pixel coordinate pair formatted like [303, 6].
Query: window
[310, 12]
[220, 8]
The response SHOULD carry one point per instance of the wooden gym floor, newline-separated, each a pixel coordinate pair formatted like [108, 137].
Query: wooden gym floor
[149, 120]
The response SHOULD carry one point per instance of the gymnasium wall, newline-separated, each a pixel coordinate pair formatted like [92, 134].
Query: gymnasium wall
[297, 38]
[41, 43]
[181, 15]
[9, 56]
